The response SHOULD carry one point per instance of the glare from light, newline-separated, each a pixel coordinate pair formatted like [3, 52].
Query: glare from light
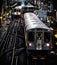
[55, 35]
[52, 52]
[30, 44]
[56, 43]
[15, 13]
[19, 13]
[48, 44]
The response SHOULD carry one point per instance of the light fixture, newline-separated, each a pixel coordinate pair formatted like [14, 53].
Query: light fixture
[55, 35]
[48, 21]
[56, 43]
[1, 17]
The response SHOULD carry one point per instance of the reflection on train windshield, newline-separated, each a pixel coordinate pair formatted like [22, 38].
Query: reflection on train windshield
[47, 37]
[30, 36]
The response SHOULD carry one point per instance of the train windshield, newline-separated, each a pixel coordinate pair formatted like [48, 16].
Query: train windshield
[28, 9]
[47, 37]
[30, 36]
[16, 13]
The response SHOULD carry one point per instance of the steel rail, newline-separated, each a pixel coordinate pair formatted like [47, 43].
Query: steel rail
[14, 41]
[6, 39]
[5, 35]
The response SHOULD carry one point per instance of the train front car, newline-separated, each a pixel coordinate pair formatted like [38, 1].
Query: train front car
[16, 12]
[38, 36]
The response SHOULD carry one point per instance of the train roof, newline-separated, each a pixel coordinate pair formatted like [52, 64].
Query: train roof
[29, 5]
[18, 7]
[32, 22]
[24, 6]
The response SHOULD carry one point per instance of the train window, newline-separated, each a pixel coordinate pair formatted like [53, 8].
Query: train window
[28, 9]
[47, 37]
[30, 36]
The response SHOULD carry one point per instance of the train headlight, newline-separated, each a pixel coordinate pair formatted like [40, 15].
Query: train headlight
[19, 13]
[55, 35]
[47, 44]
[56, 43]
[30, 44]
[15, 13]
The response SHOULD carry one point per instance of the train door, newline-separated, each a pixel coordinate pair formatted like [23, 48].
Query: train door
[38, 40]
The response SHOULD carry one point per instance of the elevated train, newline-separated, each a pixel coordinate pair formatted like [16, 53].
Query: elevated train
[16, 12]
[19, 10]
[38, 36]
